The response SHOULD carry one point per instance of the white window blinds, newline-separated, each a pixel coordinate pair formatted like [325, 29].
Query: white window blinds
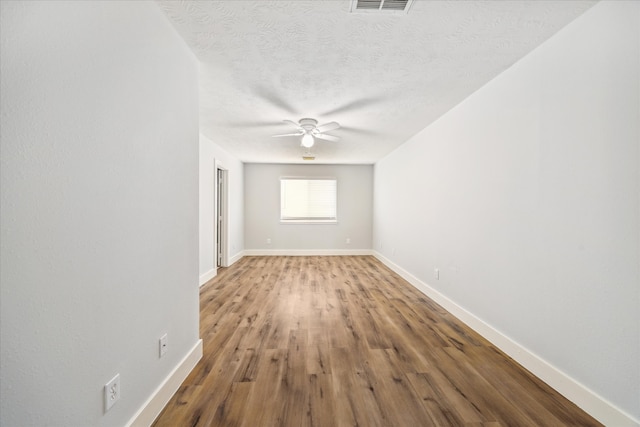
[308, 200]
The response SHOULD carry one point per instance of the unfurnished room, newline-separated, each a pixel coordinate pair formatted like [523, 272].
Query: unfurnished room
[319, 213]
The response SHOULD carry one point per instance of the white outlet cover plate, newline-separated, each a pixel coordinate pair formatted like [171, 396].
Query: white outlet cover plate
[111, 392]
[163, 345]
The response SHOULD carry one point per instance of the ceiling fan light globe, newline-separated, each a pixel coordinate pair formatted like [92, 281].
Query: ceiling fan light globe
[307, 140]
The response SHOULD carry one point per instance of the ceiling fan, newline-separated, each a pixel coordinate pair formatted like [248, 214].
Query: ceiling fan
[309, 130]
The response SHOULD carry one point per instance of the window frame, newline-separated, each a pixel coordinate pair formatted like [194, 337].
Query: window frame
[301, 220]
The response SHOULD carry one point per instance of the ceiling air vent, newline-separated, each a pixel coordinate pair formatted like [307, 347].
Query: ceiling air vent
[380, 6]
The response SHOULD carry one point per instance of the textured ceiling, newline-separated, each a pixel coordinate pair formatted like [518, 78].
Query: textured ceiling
[383, 77]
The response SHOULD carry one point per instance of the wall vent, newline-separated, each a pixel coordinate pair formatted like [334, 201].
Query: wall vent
[380, 6]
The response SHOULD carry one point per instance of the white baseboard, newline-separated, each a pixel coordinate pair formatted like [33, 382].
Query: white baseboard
[147, 414]
[204, 278]
[237, 257]
[306, 252]
[596, 406]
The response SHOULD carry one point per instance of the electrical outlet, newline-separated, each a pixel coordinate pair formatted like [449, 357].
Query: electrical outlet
[111, 392]
[163, 345]
[348, 241]
[268, 241]
[436, 274]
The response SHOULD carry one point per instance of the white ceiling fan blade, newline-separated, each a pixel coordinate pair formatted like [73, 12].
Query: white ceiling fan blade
[327, 137]
[288, 134]
[327, 127]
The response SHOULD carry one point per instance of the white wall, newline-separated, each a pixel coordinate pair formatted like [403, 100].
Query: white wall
[213, 156]
[99, 201]
[262, 211]
[526, 197]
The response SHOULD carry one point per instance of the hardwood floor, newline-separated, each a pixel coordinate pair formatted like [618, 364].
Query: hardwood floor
[344, 341]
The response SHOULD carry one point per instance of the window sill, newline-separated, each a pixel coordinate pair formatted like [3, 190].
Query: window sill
[308, 221]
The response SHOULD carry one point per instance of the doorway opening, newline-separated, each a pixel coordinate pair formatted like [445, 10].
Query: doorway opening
[222, 214]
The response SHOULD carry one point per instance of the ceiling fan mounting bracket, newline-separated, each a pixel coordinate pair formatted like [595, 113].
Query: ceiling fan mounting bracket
[308, 124]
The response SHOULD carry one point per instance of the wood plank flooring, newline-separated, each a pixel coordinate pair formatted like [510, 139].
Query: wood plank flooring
[344, 341]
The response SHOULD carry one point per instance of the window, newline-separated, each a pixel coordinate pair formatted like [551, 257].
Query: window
[308, 200]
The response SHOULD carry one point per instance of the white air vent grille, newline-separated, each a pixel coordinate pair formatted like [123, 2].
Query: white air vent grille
[371, 6]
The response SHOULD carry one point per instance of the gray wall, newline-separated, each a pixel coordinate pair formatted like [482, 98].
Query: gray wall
[99, 222]
[262, 210]
[526, 197]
